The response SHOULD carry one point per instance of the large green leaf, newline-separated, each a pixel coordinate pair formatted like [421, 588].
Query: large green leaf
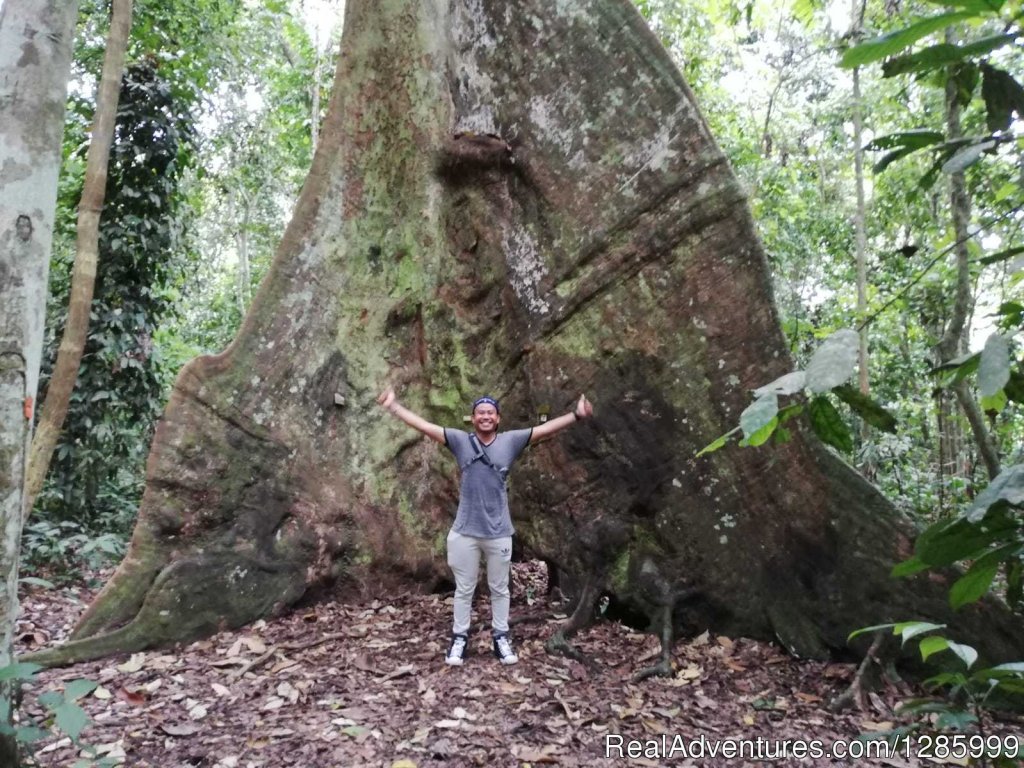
[1006, 488]
[911, 629]
[1015, 583]
[917, 139]
[19, 671]
[967, 156]
[948, 541]
[961, 367]
[834, 362]
[828, 424]
[760, 436]
[909, 567]
[1009, 253]
[888, 45]
[972, 586]
[717, 443]
[1003, 96]
[787, 384]
[902, 144]
[993, 404]
[943, 54]
[759, 414]
[867, 408]
[71, 719]
[76, 689]
[994, 367]
[966, 653]
[932, 645]
[977, 7]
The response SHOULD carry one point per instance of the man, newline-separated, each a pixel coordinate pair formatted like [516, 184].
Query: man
[483, 525]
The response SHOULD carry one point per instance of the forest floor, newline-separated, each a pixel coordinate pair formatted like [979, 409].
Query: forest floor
[338, 684]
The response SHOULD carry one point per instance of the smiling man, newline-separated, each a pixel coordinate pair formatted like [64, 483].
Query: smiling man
[483, 524]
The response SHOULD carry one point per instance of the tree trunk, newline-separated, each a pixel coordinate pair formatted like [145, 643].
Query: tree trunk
[35, 60]
[239, 214]
[83, 278]
[477, 219]
[950, 343]
[860, 216]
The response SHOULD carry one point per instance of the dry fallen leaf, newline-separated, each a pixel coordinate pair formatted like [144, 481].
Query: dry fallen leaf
[870, 725]
[807, 698]
[274, 702]
[692, 672]
[529, 754]
[134, 698]
[701, 639]
[179, 729]
[363, 662]
[134, 664]
[255, 644]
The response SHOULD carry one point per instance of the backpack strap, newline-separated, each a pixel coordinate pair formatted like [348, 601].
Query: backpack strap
[481, 455]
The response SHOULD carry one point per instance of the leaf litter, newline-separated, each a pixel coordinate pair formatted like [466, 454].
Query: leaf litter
[364, 684]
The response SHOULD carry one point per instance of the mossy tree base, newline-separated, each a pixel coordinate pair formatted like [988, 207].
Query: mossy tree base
[475, 221]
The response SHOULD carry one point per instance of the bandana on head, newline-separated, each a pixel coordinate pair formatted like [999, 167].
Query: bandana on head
[486, 400]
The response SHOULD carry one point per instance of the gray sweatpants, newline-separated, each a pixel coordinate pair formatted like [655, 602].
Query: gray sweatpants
[464, 559]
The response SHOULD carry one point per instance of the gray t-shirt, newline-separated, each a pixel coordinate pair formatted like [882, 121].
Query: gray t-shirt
[483, 498]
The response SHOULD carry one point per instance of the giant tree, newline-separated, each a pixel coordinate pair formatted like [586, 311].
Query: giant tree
[480, 216]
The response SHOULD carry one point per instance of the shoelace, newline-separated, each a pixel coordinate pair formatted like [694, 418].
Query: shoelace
[458, 645]
[504, 646]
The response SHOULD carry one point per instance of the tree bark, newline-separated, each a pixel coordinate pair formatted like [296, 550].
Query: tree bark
[950, 343]
[860, 216]
[476, 219]
[35, 60]
[83, 277]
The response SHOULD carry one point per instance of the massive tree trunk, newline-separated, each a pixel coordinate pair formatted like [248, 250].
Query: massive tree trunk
[526, 203]
[35, 60]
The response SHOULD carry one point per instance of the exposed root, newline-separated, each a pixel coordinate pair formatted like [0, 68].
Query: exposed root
[191, 598]
[662, 669]
[666, 636]
[857, 692]
[582, 617]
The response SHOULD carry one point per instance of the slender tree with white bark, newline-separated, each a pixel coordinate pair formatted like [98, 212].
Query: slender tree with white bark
[35, 59]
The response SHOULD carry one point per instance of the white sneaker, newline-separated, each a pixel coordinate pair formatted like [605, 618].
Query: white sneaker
[456, 651]
[503, 650]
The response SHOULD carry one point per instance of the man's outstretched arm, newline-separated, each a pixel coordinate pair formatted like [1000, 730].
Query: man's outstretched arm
[582, 410]
[390, 403]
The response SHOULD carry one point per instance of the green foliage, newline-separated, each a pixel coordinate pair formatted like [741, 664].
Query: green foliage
[831, 365]
[989, 535]
[963, 696]
[65, 717]
[886, 45]
[95, 476]
[66, 550]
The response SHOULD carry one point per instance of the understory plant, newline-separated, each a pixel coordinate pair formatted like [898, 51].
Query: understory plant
[64, 716]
